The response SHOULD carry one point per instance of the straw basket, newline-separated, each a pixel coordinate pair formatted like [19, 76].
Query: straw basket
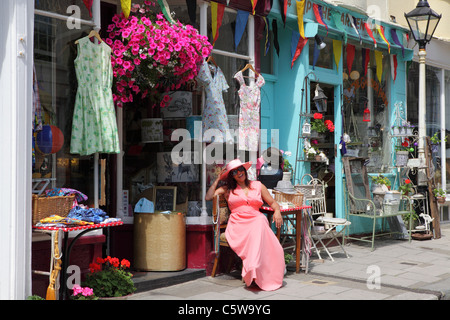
[159, 242]
[44, 207]
[311, 190]
[296, 198]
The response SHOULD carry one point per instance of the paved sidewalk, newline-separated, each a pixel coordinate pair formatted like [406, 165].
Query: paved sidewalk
[396, 269]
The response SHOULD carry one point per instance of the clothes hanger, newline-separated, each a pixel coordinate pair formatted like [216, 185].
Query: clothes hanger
[95, 34]
[249, 66]
[211, 59]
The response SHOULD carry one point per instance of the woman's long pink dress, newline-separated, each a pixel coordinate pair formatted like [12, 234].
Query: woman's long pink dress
[249, 235]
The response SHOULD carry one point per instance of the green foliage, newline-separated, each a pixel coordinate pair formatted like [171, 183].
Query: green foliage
[380, 179]
[35, 297]
[438, 192]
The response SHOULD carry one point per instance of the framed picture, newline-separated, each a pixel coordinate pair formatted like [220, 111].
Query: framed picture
[184, 172]
[180, 105]
[165, 198]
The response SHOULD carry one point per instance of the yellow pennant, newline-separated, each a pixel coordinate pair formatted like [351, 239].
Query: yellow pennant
[126, 7]
[379, 62]
[337, 51]
[300, 10]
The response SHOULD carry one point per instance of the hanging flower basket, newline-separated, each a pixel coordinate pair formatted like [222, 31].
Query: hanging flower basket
[151, 56]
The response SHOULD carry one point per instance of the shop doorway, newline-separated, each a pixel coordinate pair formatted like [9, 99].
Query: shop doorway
[325, 142]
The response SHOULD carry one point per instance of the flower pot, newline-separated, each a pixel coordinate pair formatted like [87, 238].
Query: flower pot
[395, 131]
[402, 158]
[440, 200]
[287, 176]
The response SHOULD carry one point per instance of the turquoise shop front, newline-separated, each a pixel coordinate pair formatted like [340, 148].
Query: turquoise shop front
[363, 77]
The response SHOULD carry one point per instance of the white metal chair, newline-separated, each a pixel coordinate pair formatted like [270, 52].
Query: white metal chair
[324, 230]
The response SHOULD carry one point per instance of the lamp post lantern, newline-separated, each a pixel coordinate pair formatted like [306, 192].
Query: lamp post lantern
[422, 22]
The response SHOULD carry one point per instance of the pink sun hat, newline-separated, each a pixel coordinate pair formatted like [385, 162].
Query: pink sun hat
[233, 164]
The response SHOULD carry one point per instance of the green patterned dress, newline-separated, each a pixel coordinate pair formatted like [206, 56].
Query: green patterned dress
[94, 125]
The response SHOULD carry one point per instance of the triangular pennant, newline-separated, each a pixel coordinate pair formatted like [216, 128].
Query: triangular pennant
[318, 14]
[336, 16]
[241, 23]
[297, 45]
[300, 10]
[379, 63]
[283, 6]
[88, 4]
[350, 56]
[365, 53]
[166, 10]
[217, 10]
[369, 32]
[352, 22]
[254, 2]
[275, 36]
[397, 41]
[316, 53]
[394, 66]
[337, 52]
[267, 41]
[380, 30]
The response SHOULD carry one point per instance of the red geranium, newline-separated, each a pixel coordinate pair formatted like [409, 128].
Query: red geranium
[318, 116]
[407, 181]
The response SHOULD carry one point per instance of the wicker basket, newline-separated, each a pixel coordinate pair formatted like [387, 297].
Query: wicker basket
[296, 198]
[311, 190]
[44, 207]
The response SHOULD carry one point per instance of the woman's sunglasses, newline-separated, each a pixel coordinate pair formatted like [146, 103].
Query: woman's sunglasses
[235, 171]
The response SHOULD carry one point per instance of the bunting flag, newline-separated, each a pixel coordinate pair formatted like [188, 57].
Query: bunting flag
[267, 42]
[394, 66]
[316, 53]
[380, 30]
[337, 52]
[379, 63]
[397, 41]
[241, 23]
[369, 32]
[352, 22]
[275, 36]
[217, 10]
[254, 2]
[165, 10]
[88, 4]
[350, 56]
[336, 16]
[318, 14]
[300, 11]
[283, 6]
[297, 45]
[365, 53]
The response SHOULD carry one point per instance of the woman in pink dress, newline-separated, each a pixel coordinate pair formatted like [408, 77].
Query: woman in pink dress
[248, 231]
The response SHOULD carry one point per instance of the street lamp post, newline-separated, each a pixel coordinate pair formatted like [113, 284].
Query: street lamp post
[422, 22]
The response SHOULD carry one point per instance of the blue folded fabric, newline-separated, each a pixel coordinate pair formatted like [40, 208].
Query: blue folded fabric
[94, 215]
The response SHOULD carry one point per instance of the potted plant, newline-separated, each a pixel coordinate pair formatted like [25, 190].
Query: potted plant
[109, 278]
[407, 187]
[439, 194]
[321, 126]
[414, 218]
[151, 55]
[287, 167]
[83, 293]
[380, 182]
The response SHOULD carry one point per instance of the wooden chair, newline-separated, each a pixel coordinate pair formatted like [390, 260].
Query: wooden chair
[221, 213]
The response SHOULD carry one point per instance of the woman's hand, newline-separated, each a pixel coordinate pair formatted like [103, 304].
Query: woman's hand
[277, 219]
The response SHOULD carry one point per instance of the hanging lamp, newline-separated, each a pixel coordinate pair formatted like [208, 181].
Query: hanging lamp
[366, 116]
[320, 99]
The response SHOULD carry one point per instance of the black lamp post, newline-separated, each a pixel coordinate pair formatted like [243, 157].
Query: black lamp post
[422, 22]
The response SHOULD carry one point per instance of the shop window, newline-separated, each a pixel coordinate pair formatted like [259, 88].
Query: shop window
[266, 56]
[324, 57]
[63, 7]
[366, 109]
[55, 52]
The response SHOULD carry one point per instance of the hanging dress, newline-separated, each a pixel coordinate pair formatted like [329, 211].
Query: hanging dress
[249, 235]
[249, 112]
[214, 113]
[94, 125]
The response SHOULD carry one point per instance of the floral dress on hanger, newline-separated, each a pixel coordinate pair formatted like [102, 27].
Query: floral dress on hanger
[94, 125]
[214, 113]
[249, 114]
